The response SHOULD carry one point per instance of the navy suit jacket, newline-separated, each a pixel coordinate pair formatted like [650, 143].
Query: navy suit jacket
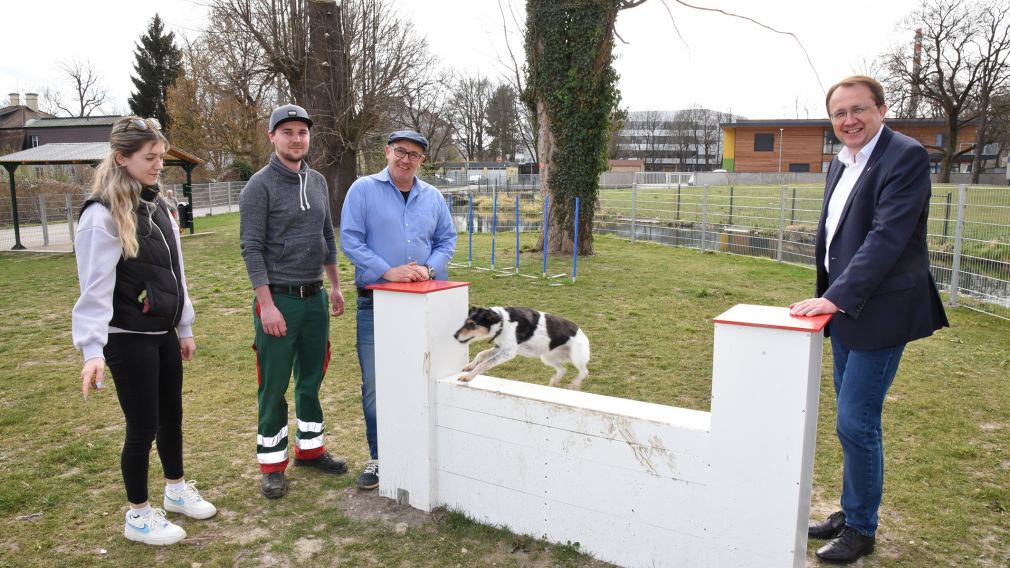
[879, 269]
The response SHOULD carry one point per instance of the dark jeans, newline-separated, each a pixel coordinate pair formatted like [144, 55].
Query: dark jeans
[147, 370]
[861, 382]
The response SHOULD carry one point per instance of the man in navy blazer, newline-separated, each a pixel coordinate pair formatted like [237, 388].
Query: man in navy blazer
[873, 275]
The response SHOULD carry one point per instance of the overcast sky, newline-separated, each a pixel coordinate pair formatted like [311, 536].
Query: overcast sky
[718, 62]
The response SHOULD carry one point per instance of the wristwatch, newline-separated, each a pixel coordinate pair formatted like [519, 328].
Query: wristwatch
[431, 271]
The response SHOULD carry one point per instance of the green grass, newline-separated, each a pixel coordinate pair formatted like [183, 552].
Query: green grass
[648, 311]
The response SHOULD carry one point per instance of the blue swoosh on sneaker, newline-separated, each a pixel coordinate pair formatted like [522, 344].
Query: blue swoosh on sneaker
[178, 500]
[142, 530]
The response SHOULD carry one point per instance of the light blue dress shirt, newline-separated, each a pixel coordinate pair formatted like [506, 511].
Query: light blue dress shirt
[379, 231]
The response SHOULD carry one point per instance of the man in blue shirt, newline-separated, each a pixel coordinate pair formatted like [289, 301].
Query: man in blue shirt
[394, 228]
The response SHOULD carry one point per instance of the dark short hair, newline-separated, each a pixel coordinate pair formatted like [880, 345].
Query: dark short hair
[876, 89]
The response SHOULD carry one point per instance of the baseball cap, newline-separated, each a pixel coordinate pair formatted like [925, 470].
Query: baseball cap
[286, 113]
[414, 137]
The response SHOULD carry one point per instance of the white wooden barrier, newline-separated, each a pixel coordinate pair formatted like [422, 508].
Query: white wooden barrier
[634, 483]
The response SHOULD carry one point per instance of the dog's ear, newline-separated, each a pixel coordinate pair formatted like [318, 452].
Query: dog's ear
[490, 317]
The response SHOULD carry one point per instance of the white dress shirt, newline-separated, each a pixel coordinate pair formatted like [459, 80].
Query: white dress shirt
[854, 165]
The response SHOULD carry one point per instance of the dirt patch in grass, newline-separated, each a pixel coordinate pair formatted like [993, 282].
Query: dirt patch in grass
[369, 506]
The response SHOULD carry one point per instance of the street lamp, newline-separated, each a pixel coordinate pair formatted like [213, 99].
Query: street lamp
[781, 130]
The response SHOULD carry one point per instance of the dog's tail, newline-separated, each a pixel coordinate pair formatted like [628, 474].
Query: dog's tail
[580, 349]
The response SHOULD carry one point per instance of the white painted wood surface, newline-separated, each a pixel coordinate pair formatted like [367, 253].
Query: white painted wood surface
[634, 483]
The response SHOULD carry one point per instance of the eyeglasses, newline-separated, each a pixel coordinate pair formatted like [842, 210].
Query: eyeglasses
[855, 112]
[401, 153]
[145, 123]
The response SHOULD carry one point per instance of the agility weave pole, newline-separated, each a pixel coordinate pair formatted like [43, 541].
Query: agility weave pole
[634, 483]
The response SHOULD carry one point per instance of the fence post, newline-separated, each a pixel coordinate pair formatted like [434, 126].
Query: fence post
[782, 224]
[575, 243]
[70, 219]
[678, 202]
[469, 258]
[494, 222]
[547, 210]
[955, 267]
[210, 199]
[792, 210]
[704, 218]
[634, 196]
[42, 219]
[946, 216]
[517, 231]
[228, 191]
[730, 205]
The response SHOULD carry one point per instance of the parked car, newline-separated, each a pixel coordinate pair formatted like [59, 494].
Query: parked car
[476, 178]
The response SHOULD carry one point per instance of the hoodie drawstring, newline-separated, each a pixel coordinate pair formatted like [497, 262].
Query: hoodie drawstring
[303, 196]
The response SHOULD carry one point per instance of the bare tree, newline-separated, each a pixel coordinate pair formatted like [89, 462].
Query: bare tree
[710, 137]
[342, 63]
[953, 75]
[502, 120]
[425, 107]
[469, 115]
[994, 49]
[220, 103]
[645, 134]
[526, 128]
[87, 95]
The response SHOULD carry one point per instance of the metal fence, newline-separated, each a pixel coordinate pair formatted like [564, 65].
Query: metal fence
[500, 225]
[968, 231]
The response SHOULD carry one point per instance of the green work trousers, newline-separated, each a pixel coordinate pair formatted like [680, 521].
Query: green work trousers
[304, 349]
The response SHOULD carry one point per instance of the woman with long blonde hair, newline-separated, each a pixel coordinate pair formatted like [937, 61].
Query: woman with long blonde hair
[135, 315]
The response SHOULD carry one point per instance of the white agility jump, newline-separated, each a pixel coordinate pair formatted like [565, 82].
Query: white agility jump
[634, 483]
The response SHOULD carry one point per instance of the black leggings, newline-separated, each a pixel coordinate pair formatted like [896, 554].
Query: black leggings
[147, 370]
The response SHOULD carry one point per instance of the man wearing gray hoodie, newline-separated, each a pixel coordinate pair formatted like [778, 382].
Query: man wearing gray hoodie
[287, 244]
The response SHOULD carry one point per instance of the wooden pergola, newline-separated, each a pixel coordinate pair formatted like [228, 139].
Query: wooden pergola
[89, 153]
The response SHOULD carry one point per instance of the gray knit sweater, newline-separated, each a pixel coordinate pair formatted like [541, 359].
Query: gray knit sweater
[285, 229]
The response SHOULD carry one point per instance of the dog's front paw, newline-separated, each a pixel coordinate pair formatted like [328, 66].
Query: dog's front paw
[469, 367]
[465, 378]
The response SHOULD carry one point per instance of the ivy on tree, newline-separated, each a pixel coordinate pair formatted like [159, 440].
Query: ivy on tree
[572, 92]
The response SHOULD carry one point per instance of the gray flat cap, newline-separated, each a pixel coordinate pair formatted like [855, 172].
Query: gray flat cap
[414, 137]
[286, 113]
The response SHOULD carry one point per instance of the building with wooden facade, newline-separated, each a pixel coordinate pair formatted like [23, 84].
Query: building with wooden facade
[761, 146]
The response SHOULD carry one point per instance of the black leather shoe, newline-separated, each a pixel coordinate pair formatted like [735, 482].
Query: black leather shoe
[273, 485]
[828, 528]
[326, 463]
[848, 547]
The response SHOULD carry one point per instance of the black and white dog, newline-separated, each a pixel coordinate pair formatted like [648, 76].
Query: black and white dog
[530, 333]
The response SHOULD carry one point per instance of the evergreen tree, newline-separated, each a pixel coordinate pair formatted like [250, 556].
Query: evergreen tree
[158, 64]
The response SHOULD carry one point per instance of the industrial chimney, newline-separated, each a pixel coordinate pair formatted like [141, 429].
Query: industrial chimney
[913, 101]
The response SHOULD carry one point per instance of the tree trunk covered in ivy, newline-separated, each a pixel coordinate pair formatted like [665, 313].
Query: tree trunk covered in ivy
[572, 91]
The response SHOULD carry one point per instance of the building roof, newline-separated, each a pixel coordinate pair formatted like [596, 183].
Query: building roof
[83, 153]
[64, 122]
[626, 162]
[783, 122]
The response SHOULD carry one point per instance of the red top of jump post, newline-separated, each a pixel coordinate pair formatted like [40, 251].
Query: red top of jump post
[426, 287]
[771, 316]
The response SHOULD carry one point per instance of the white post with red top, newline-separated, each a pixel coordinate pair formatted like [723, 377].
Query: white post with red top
[766, 370]
[414, 323]
[634, 483]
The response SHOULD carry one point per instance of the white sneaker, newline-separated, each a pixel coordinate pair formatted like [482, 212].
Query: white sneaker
[152, 528]
[188, 502]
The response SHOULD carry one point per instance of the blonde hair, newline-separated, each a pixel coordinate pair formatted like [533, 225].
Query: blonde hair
[114, 186]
